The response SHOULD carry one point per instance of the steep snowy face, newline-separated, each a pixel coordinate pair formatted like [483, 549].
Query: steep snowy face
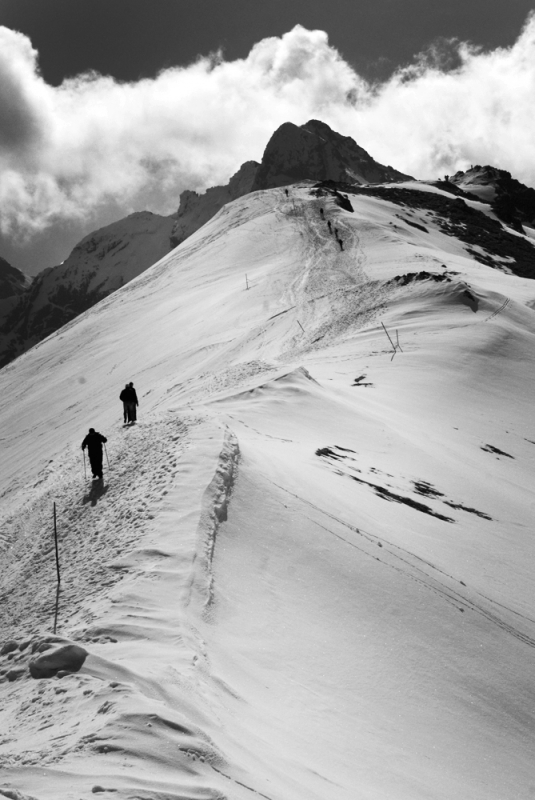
[102, 262]
[314, 151]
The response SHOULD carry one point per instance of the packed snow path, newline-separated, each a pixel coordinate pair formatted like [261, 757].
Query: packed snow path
[308, 571]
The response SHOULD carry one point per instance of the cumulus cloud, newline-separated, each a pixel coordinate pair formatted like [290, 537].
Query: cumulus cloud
[68, 152]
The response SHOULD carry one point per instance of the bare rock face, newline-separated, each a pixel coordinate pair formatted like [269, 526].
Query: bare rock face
[13, 285]
[314, 151]
[101, 263]
[196, 209]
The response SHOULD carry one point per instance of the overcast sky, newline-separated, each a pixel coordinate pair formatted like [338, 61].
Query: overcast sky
[110, 106]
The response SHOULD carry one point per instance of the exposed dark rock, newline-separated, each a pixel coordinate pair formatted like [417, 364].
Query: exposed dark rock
[456, 218]
[315, 152]
[69, 657]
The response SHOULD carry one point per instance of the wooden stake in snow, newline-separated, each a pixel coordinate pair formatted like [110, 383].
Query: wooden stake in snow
[57, 569]
[56, 542]
[246, 282]
[394, 346]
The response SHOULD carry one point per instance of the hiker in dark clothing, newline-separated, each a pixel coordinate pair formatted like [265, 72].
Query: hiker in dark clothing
[330, 226]
[121, 397]
[130, 401]
[340, 242]
[321, 213]
[94, 441]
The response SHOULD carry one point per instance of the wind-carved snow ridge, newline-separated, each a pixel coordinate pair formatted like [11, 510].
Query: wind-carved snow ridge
[215, 504]
[251, 615]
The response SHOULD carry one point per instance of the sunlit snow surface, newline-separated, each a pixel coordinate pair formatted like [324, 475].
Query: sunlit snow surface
[309, 571]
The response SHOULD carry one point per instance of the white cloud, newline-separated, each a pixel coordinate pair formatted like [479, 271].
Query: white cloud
[67, 152]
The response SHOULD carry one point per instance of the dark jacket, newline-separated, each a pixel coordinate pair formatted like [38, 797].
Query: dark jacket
[94, 442]
[128, 395]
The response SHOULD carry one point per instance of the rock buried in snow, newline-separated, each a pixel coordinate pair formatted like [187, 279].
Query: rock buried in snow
[9, 647]
[68, 657]
[14, 794]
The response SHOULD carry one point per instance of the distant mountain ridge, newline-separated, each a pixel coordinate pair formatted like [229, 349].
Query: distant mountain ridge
[101, 263]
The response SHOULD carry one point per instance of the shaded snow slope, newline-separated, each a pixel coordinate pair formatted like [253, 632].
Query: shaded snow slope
[101, 263]
[307, 572]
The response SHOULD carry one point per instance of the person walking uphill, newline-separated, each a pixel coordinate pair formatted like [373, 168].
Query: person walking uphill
[94, 441]
[130, 402]
[125, 409]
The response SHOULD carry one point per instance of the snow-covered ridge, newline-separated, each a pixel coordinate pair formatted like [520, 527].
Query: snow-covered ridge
[312, 151]
[358, 516]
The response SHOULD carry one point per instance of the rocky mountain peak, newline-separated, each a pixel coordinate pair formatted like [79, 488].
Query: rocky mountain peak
[314, 151]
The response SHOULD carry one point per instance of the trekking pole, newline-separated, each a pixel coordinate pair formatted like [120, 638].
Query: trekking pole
[57, 570]
[85, 471]
[107, 459]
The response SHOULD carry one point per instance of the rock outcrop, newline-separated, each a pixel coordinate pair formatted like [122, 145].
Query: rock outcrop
[314, 151]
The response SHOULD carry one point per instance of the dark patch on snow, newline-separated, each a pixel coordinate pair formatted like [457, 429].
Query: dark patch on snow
[412, 277]
[346, 449]
[359, 381]
[489, 448]
[448, 186]
[386, 494]
[413, 224]
[425, 488]
[326, 451]
[97, 491]
[467, 508]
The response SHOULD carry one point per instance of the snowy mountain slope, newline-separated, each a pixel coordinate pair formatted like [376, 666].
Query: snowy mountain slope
[312, 151]
[308, 571]
[102, 262]
[512, 201]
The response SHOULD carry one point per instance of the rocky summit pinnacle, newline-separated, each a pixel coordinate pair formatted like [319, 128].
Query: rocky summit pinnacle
[314, 151]
[294, 153]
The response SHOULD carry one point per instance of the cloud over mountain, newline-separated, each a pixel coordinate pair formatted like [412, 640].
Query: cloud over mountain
[67, 152]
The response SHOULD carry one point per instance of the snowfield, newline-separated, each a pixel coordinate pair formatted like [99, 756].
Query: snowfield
[308, 572]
